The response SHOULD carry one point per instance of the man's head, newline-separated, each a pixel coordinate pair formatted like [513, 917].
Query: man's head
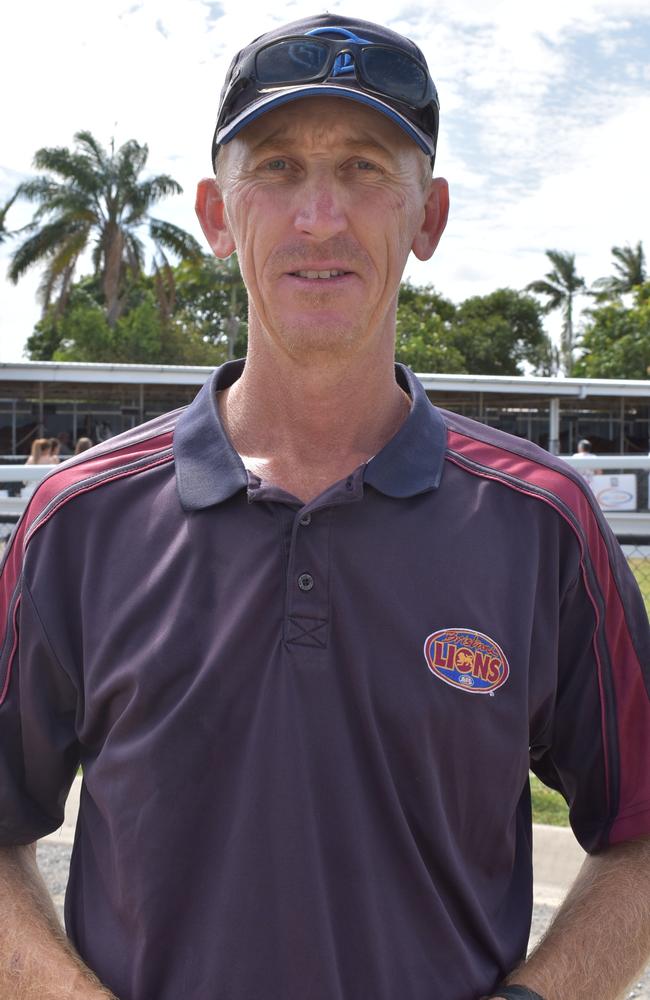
[324, 186]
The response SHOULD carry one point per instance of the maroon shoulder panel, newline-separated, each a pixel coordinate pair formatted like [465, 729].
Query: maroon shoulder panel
[97, 467]
[550, 484]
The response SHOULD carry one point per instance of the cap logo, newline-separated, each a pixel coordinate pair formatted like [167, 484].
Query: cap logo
[466, 659]
[344, 63]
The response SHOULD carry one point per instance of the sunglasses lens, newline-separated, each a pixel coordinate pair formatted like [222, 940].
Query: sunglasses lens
[390, 72]
[292, 60]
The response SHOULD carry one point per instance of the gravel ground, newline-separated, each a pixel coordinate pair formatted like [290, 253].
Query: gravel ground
[54, 859]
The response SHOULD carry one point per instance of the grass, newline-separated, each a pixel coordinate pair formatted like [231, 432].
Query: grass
[548, 806]
[641, 569]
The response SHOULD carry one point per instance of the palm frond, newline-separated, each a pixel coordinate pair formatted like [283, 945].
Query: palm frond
[135, 255]
[170, 237]
[4, 233]
[41, 245]
[629, 263]
[72, 167]
[92, 149]
[549, 290]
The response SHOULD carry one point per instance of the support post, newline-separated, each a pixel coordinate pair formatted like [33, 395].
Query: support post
[554, 426]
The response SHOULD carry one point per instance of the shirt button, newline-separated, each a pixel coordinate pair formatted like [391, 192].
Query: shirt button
[305, 520]
[305, 581]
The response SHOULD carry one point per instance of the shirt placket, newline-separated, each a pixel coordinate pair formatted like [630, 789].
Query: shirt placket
[307, 615]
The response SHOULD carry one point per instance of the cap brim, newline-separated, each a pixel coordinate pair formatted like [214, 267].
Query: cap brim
[273, 100]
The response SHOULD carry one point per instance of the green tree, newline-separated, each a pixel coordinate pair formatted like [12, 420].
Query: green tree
[212, 300]
[497, 333]
[616, 339]
[559, 288]
[423, 341]
[90, 198]
[629, 272]
[143, 334]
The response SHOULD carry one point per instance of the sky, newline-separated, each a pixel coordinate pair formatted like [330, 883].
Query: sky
[544, 118]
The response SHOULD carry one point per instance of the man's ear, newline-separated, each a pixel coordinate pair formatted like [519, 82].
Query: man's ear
[212, 216]
[436, 210]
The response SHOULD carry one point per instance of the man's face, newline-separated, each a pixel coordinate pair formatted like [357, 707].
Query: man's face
[324, 199]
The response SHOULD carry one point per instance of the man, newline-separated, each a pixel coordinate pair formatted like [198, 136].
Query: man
[302, 634]
[584, 449]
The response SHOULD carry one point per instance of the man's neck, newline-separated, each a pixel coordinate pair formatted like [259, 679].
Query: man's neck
[302, 426]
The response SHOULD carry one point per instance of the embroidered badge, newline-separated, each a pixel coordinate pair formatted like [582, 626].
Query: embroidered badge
[466, 659]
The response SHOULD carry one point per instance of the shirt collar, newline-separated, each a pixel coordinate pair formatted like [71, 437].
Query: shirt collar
[209, 470]
[413, 460]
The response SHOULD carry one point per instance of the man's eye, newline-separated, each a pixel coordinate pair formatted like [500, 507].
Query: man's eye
[277, 164]
[364, 165]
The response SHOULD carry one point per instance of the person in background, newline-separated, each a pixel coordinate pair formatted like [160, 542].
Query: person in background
[83, 444]
[584, 449]
[55, 448]
[41, 453]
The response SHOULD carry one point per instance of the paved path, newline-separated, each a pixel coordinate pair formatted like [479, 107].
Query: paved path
[556, 861]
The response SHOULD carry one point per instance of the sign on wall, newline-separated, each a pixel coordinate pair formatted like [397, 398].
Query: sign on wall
[615, 492]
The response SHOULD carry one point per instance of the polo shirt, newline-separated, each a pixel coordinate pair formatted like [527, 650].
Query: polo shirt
[306, 729]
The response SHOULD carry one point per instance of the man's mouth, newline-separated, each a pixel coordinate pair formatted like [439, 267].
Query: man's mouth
[312, 275]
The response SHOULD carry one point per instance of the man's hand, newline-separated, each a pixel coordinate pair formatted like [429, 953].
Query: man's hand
[37, 962]
[600, 937]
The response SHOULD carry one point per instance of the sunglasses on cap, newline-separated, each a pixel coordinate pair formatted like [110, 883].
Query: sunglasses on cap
[303, 59]
[384, 69]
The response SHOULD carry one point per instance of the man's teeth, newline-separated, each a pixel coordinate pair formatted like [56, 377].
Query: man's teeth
[318, 274]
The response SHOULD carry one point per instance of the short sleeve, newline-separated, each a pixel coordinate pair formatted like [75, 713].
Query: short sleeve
[599, 752]
[38, 748]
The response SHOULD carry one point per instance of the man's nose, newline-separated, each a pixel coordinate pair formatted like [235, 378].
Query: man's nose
[320, 208]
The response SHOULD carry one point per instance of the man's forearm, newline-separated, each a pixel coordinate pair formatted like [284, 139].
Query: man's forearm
[600, 937]
[37, 962]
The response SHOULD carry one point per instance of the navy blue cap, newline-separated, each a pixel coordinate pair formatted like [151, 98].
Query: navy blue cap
[244, 99]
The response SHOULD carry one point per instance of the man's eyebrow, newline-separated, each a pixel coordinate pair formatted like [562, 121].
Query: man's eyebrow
[369, 142]
[270, 141]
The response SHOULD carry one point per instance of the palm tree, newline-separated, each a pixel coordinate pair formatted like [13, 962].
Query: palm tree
[629, 265]
[4, 232]
[559, 287]
[94, 199]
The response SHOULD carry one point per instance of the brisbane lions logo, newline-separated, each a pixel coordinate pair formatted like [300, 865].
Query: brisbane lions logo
[466, 659]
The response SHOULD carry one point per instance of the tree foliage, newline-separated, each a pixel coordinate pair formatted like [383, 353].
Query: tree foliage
[423, 321]
[616, 339]
[493, 334]
[142, 335]
[211, 299]
[93, 199]
[497, 333]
